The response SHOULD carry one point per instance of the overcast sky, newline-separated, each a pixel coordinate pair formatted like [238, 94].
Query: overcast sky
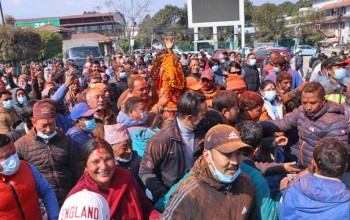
[53, 8]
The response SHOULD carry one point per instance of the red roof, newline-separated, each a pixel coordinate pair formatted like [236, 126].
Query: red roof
[91, 36]
[51, 27]
[68, 17]
[336, 5]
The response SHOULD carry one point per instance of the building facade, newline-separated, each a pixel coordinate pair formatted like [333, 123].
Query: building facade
[337, 20]
[103, 23]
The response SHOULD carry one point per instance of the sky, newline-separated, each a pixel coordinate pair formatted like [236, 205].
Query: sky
[54, 8]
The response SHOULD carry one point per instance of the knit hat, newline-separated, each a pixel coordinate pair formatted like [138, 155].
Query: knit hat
[117, 133]
[223, 138]
[193, 84]
[81, 110]
[235, 82]
[85, 205]
[44, 109]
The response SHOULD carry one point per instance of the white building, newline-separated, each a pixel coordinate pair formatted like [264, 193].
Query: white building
[337, 20]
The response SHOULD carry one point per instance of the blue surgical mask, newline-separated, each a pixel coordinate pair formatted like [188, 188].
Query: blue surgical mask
[118, 160]
[345, 81]
[276, 70]
[215, 68]
[8, 105]
[252, 62]
[47, 137]
[90, 125]
[339, 74]
[222, 177]
[122, 75]
[10, 165]
[270, 95]
[21, 100]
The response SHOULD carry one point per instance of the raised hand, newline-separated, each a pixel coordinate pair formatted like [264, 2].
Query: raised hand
[169, 43]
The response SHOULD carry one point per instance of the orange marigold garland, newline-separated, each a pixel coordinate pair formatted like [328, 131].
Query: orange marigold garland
[168, 69]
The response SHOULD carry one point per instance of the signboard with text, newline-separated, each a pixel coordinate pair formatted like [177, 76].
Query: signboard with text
[38, 23]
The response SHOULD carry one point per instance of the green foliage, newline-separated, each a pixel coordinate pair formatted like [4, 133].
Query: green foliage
[19, 44]
[248, 12]
[269, 21]
[51, 44]
[170, 21]
[124, 44]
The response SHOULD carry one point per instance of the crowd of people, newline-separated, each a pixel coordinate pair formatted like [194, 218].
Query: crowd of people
[240, 143]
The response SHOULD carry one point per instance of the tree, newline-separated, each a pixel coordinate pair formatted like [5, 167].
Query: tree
[269, 21]
[125, 44]
[10, 20]
[51, 44]
[248, 12]
[132, 12]
[170, 21]
[19, 45]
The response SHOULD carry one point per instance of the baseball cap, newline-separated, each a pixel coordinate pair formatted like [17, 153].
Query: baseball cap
[44, 109]
[117, 133]
[81, 110]
[85, 205]
[223, 138]
[208, 74]
[192, 84]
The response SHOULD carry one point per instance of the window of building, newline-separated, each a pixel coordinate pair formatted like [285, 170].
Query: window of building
[103, 27]
[109, 27]
[329, 12]
[93, 28]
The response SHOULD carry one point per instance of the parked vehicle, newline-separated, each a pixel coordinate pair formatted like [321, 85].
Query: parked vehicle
[262, 54]
[79, 50]
[306, 50]
[218, 52]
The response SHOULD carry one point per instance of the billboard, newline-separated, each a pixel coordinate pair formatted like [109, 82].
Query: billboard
[38, 23]
[209, 13]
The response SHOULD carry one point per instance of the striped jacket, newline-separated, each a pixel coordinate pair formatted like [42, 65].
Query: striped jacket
[203, 197]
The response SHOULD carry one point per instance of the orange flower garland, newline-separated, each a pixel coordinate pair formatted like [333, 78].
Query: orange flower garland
[168, 69]
[172, 70]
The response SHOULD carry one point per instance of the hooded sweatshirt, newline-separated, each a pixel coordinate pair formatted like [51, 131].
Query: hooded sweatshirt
[313, 197]
[18, 107]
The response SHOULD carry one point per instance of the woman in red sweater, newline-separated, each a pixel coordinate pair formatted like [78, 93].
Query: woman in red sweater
[125, 198]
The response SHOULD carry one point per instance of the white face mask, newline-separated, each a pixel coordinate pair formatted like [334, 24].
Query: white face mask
[47, 137]
[10, 165]
[121, 160]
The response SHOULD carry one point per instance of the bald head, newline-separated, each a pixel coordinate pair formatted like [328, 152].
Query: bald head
[95, 98]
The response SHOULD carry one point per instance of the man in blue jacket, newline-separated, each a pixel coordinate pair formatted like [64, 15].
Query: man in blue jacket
[319, 193]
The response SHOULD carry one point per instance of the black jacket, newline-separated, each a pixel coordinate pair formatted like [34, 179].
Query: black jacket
[251, 77]
[164, 161]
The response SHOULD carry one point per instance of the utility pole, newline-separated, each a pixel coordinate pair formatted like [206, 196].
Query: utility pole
[2, 15]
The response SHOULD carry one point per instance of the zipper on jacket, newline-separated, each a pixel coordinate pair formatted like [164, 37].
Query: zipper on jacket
[52, 167]
[16, 198]
[301, 148]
